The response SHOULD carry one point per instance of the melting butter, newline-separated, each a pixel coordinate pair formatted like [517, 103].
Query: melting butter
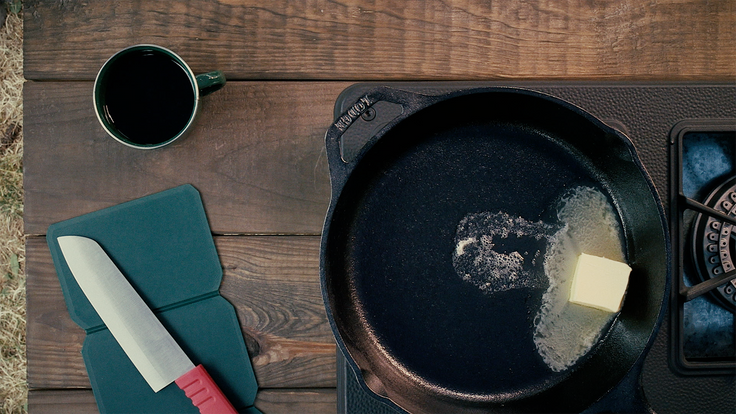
[564, 332]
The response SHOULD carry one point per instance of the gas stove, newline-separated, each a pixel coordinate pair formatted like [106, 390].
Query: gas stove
[685, 135]
[703, 226]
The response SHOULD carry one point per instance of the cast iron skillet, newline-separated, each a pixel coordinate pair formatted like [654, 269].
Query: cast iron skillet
[416, 333]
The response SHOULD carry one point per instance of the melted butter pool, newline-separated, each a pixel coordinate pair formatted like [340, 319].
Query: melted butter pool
[497, 252]
[564, 332]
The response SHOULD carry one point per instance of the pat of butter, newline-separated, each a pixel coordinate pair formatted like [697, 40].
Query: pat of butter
[599, 283]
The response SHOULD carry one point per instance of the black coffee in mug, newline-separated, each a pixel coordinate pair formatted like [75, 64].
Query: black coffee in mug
[146, 96]
[149, 97]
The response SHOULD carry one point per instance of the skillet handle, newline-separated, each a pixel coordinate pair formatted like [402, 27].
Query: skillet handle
[368, 118]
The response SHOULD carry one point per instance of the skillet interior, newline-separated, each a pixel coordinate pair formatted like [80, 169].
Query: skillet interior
[418, 332]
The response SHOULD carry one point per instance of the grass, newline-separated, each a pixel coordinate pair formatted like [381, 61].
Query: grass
[13, 385]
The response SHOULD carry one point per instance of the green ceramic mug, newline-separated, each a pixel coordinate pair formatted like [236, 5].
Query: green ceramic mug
[146, 96]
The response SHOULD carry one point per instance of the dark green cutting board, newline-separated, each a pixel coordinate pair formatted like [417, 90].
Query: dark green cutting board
[163, 245]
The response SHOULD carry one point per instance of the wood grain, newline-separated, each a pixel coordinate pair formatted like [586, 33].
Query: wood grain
[79, 401]
[269, 401]
[303, 401]
[53, 340]
[274, 284]
[386, 39]
[256, 154]
[272, 281]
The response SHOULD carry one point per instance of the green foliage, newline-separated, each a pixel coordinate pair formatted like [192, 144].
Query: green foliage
[15, 6]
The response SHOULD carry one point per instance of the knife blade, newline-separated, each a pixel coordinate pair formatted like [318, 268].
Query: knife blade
[147, 343]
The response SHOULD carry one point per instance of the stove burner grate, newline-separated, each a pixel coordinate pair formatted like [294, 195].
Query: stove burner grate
[714, 244]
[703, 231]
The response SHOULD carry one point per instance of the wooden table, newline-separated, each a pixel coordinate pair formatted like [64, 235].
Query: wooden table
[257, 155]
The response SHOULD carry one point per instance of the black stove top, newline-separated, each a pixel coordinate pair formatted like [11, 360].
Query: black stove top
[685, 135]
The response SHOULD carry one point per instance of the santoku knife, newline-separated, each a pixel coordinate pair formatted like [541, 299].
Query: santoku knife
[144, 339]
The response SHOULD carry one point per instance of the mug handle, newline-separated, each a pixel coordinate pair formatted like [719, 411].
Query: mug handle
[210, 82]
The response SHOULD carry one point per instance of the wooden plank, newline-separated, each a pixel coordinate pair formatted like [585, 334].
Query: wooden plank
[80, 401]
[272, 281]
[53, 340]
[303, 401]
[274, 284]
[386, 39]
[256, 154]
[269, 401]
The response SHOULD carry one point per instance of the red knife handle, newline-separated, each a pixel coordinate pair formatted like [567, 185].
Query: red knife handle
[204, 393]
